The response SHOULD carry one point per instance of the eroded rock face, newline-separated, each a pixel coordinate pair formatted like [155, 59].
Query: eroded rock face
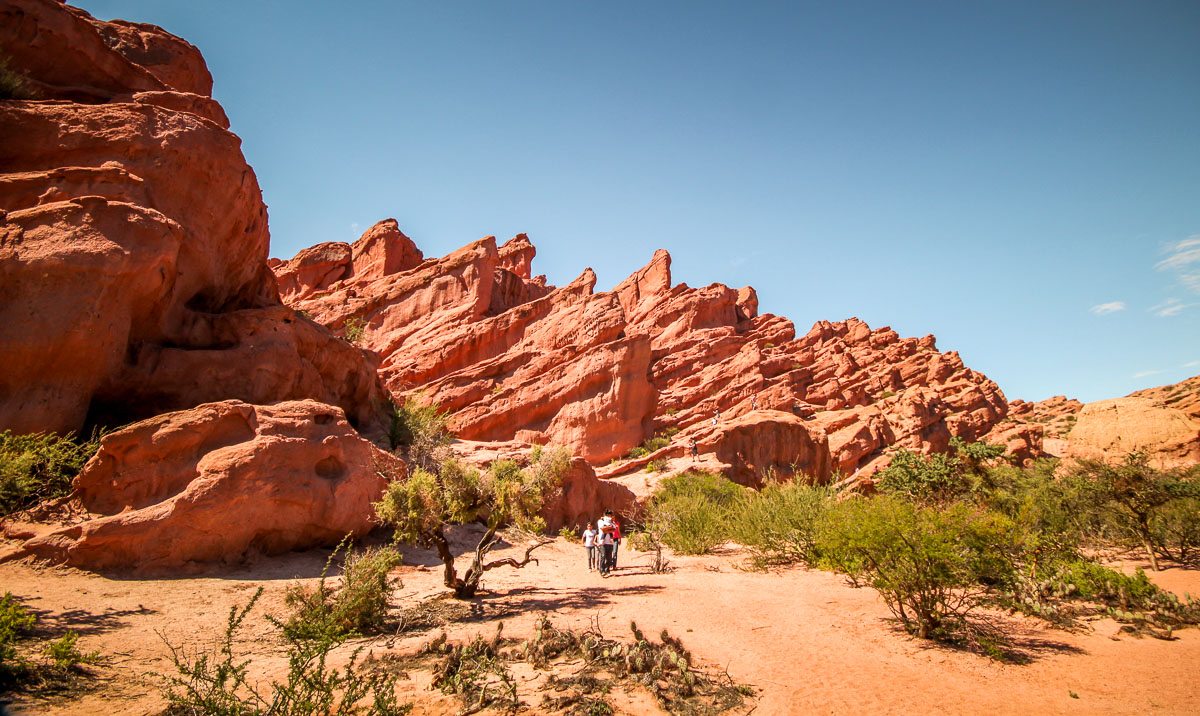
[1163, 422]
[514, 358]
[1110, 429]
[133, 241]
[219, 482]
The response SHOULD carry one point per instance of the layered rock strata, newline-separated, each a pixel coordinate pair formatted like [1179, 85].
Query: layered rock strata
[513, 358]
[133, 241]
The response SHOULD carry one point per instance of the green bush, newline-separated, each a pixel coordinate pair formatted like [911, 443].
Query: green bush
[66, 655]
[14, 85]
[355, 329]
[357, 606]
[930, 564]
[568, 534]
[1134, 496]
[659, 465]
[923, 478]
[421, 430]
[16, 622]
[1175, 530]
[218, 683]
[39, 467]
[781, 523]
[691, 511]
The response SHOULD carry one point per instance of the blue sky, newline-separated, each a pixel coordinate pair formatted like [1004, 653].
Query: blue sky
[1021, 179]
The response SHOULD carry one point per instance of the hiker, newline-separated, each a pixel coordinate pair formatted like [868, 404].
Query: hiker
[754, 402]
[616, 542]
[695, 450]
[589, 542]
[716, 417]
[605, 526]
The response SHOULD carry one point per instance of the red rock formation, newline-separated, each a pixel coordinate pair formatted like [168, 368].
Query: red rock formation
[1164, 422]
[219, 482]
[513, 358]
[1110, 429]
[133, 240]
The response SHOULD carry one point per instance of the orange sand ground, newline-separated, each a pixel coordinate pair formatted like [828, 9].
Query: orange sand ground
[806, 640]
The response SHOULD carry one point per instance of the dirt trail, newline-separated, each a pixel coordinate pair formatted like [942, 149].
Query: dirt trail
[808, 641]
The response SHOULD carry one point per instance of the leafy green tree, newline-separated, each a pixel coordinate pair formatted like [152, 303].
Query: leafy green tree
[421, 506]
[1136, 493]
[931, 565]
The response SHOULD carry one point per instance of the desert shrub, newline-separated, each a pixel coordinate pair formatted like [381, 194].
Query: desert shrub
[420, 429]
[886, 394]
[690, 511]
[39, 467]
[355, 329]
[651, 444]
[931, 565]
[357, 606]
[659, 465]
[420, 507]
[59, 670]
[922, 478]
[16, 622]
[65, 653]
[1134, 496]
[1175, 530]
[568, 534]
[670, 432]
[781, 523]
[14, 85]
[466, 671]
[1053, 516]
[713, 487]
[1065, 591]
[657, 442]
[218, 682]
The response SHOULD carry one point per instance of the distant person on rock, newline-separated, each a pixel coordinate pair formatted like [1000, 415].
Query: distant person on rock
[606, 542]
[695, 450]
[716, 417]
[589, 542]
[754, 402]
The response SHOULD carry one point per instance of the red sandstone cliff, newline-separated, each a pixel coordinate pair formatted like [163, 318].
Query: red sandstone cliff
[514, 358]
[133, 240]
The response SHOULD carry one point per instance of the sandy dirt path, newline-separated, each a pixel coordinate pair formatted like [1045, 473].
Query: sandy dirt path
[809, 642]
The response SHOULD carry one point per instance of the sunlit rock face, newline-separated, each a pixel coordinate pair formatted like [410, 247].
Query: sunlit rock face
[133, 241]
[512, 357]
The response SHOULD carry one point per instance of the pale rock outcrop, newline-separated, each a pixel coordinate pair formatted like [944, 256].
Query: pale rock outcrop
[1111, 429]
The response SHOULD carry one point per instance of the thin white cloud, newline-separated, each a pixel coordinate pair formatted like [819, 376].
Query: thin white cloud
[1193, 364]
[1145, 373]
[1170, 307]
[738, 261]
[354, 224]
[1104, 309]
[1183, 259]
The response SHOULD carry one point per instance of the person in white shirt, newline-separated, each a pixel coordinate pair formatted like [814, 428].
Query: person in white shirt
[607, 528]
[589, 541]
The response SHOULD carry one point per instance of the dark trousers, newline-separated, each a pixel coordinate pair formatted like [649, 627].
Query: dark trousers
[606, 560]
[616, 548]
